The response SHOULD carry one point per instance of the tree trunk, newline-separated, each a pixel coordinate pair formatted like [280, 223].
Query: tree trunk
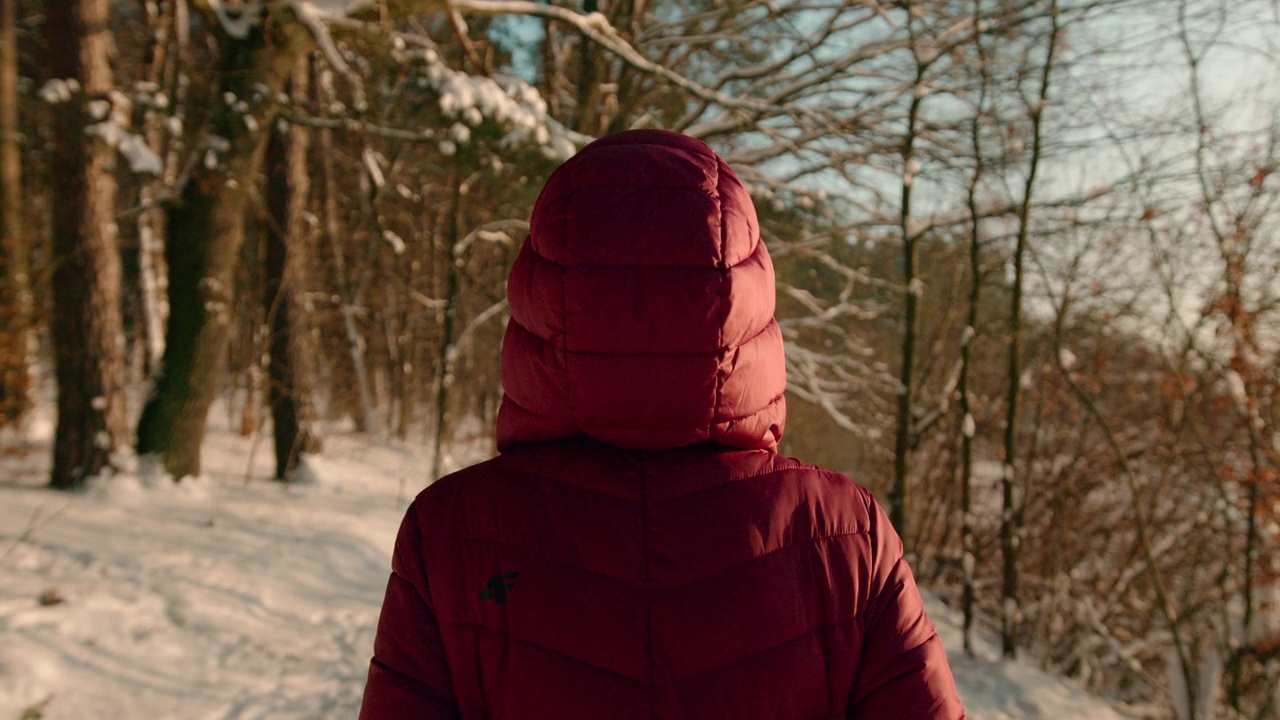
[88, 334]
[1009, 525]
[366, 419]
[289, 376]
[209, 217]
[447, 227]
[968, 429]
[168, 48]
[15, 292]
[906, 378]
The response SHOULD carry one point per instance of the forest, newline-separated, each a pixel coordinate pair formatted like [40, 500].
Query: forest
[1028, 257]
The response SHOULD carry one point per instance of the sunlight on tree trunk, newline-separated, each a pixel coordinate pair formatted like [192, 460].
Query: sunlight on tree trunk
[87, 329]
[15, 293]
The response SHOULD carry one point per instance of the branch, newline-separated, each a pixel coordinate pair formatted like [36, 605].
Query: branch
[495, 230]
[596, 27]
[313, 20]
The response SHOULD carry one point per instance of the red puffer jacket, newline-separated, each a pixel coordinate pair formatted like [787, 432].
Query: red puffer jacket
[639, 550]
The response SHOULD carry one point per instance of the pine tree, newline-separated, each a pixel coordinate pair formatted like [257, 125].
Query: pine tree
[88, 335]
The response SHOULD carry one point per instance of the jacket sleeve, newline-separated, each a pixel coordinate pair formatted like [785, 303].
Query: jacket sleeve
[904, 673]
[408, 677]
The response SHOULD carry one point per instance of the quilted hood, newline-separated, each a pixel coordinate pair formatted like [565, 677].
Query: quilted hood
[642, 305]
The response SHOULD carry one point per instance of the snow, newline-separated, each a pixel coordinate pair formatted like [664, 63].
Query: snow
[373, 164]
[313, 16]
[212, 598]
[508, 101]
[98, 109]
[238, 19]
[141, 158]
[111, 126]
[59, 91]
[231, 596]
[396, 242]
[995, 690]
[1235, 383]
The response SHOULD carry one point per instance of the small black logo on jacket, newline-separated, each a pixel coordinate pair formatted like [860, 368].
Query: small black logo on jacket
[499, 586]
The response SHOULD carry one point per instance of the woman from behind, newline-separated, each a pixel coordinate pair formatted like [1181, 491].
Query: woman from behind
[638, 549]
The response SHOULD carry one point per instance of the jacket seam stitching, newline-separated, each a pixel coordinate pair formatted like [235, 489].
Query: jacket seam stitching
[826, 474]
[721, 311]
[910, 670]
[564, 305]
[542, 558]
[581, 427]
[540, 646]
[419, 685]
[797, 545]
[647, 588]
[739, 418]
[643, 266]
[756, 653]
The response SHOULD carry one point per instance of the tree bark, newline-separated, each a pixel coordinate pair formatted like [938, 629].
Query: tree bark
[209, 216]
[906, 391]
[968, 430]
[288, 373]
[1009, 524]
[168, 48]
[88, 333]
[15, 292]
[447, 229]
[366, 419]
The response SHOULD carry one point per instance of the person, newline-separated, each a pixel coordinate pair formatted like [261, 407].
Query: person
[639, 549]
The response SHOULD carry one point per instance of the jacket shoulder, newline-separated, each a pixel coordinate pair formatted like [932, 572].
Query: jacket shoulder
[826, 487]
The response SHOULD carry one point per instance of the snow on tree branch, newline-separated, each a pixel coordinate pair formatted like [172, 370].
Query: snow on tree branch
[111, 118]
[313, 19]
[237, 18]
[597, 27]
[508, 101]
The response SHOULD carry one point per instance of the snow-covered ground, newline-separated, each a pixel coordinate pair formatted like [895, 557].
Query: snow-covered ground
[223, 598]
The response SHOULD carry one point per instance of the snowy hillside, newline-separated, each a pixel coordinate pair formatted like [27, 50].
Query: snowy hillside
[221, 599]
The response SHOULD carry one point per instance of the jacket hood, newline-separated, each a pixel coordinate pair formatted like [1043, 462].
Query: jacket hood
[642, 305]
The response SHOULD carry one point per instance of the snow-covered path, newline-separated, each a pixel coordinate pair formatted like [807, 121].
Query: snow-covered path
[221, 599]
[213, 599]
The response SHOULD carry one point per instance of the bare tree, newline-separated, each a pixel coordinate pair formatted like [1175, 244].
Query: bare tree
[968, 424]
[923, 53]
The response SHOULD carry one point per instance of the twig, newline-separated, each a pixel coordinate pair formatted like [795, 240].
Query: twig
[32, 524]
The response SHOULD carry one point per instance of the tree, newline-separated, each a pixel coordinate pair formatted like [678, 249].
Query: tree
[923, 53]
[88, 334]
[1013, 378]
[15, 294]
[256, 58]
[289, 373]
[968, 423]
